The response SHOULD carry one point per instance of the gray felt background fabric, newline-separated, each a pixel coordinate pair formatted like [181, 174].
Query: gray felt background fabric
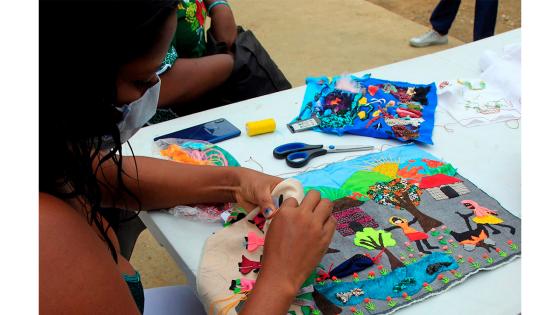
[444, 211]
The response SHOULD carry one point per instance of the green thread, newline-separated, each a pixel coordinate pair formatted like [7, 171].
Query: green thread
[371, 306]
[428, 287]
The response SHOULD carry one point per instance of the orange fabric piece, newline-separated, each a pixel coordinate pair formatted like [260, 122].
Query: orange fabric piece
[411, 173]
[432, 163]
[176, 153]
[475, 239]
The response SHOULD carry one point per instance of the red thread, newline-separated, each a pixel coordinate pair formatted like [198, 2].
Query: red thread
[377, 257]
[324, 275]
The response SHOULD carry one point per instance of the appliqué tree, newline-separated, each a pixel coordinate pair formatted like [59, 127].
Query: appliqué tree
[402, 195]
[371, 239]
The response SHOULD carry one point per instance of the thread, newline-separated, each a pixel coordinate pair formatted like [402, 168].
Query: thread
[509, 126]
[260, 127]
[255, 161]
[446, 127]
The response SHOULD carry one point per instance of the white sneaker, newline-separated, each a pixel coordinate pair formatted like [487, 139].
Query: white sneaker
[430, 38]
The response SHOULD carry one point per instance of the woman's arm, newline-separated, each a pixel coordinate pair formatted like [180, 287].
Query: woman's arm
[223, 25]
[76, 272]
[163, 184]
[188, 79]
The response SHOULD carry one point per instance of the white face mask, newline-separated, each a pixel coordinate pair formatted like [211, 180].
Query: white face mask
[135, 115]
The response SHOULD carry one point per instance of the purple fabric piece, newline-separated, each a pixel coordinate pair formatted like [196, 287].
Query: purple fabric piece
[344, 217]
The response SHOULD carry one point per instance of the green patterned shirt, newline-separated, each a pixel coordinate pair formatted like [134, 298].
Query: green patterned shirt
[189, 40]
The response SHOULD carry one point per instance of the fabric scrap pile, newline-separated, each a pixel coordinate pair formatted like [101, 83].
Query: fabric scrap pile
[371, 107]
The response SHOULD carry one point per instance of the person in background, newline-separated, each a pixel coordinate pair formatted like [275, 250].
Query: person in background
[195, 69]
[486, 12]
[98, 87]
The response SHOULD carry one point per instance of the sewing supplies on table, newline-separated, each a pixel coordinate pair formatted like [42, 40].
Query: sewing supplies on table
[260, 127]
[303, 125]
[368, 106]
[298, 154]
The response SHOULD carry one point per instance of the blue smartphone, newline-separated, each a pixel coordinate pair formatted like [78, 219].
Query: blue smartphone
[212, 131]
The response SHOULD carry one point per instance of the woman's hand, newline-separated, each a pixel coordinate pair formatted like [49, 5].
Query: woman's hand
[295, 243]
[255, 189]
[298, 238]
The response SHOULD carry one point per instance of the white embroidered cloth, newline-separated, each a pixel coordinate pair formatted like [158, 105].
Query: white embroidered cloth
[493, 97]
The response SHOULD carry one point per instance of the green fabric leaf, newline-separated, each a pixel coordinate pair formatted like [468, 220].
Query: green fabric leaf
[446, 169]
[361, 180]
[329, 192]
[369, 238]
[306, 310]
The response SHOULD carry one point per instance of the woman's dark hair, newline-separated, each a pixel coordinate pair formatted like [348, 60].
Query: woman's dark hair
[82, 46]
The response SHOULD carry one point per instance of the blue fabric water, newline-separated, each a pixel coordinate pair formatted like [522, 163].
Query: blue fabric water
[334, 175]
[371, 107]
[409, 279]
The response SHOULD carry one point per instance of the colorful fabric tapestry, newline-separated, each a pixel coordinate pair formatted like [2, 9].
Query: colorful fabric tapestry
[371, 107]
[433, 228]
[409, 226]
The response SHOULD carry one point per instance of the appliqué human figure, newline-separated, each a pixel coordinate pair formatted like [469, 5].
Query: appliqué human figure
[473, 238]
[412, 234]
[486, 216]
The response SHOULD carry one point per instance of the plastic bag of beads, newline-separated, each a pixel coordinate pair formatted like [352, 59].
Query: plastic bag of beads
[196, 152]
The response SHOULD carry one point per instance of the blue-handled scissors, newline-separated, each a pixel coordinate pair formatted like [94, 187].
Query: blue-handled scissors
[298, 154]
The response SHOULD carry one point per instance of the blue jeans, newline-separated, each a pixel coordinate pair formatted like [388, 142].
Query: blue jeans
[485, 15]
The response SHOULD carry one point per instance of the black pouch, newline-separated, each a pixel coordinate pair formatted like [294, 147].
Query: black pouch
[254, 72]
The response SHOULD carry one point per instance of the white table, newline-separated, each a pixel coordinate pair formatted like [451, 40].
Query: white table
[489, 156]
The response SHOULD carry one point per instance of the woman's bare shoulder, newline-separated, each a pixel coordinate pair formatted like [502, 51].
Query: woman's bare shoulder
[76, 273]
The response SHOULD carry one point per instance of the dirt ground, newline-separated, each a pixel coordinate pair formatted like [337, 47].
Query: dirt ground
[419, 11]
